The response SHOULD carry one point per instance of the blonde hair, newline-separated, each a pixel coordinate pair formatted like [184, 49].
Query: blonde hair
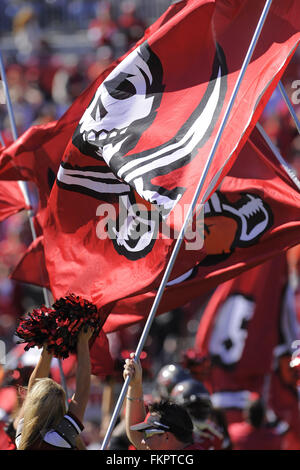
[44, 407]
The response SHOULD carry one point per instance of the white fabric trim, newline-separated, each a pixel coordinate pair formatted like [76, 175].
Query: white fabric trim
[54, 439]
[239, 399]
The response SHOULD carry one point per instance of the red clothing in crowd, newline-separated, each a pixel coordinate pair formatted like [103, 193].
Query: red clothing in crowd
[246, 437]
[195, 446]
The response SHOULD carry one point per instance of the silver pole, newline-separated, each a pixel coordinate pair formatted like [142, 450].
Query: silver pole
[289, 171]
[187, 219]
[8, 100]
[24, 189]
[289, 105]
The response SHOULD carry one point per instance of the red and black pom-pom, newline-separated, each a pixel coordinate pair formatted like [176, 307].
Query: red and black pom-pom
[58, 327]
[35, 329]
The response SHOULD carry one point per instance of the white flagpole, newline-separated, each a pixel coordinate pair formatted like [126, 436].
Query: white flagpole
[2, 140]
[289, 105]
[26, 195]
[188, 218]
[289, 171]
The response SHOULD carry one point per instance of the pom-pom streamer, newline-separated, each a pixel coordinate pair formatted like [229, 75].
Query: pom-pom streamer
[58, 327]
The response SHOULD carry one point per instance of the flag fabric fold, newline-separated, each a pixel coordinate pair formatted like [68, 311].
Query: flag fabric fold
[32, 268]
[11, 199]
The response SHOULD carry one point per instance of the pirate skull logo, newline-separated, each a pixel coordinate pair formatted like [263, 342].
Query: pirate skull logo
[126, 104]
[122, 109]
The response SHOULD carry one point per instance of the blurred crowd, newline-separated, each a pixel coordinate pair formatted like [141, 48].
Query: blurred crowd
[44, 79]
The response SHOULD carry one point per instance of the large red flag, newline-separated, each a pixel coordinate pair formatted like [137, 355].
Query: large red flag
[147, 132]
[11, 199]
[239, 331]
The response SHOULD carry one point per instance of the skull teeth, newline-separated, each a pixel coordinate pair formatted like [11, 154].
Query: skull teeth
[103, 137]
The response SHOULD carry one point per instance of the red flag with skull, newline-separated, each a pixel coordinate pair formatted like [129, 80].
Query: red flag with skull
[143, 142]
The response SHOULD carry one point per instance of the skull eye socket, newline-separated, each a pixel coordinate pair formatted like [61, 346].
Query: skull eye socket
[120, 88]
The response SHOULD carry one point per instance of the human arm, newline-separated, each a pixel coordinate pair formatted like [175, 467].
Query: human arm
[83, 376]
[107, 406]
[135, 407]
[41, 370]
